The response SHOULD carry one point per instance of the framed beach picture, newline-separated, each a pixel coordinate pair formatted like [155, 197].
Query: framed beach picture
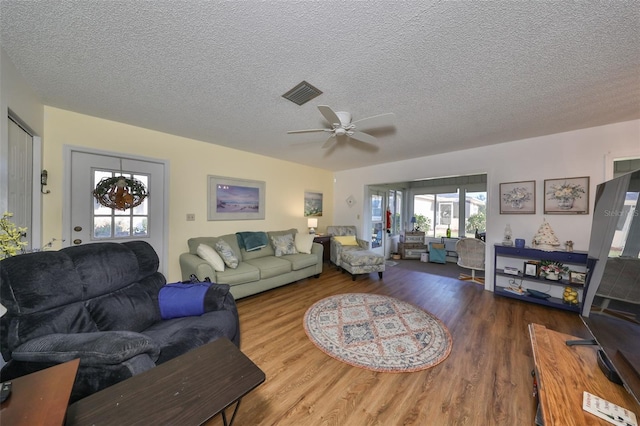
[312, 203]
[518, 197]
[235, 199]
[566, 195]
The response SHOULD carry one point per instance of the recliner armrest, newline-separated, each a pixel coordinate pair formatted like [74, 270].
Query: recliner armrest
[98, 348]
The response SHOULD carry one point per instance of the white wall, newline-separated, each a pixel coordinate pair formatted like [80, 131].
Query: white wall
[586, 152]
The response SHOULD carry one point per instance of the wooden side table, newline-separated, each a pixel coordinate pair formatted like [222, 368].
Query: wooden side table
[325, 240]
[40, 398]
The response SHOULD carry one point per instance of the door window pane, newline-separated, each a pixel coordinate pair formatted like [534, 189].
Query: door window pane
[475, 218]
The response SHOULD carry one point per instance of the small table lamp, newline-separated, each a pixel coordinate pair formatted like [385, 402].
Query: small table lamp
[312, 223]
[413, 223]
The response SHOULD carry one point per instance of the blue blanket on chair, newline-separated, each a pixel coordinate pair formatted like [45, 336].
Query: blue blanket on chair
[182, 300]
[251, 241]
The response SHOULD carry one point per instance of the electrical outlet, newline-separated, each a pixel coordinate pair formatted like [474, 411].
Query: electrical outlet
[191, 217]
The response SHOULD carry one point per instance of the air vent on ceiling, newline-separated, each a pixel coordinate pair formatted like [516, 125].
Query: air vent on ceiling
[302, 93]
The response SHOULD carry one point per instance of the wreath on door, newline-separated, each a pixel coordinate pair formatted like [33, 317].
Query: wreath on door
[120, 193]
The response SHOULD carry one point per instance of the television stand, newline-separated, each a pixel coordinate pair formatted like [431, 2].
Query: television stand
[564, 372]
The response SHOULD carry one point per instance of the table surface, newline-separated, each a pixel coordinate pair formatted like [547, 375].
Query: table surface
[187, 390]
[564, 373]
[40, 398]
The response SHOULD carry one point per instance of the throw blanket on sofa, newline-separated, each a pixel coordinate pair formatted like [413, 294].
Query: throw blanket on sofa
[182, 300]
[251, 241]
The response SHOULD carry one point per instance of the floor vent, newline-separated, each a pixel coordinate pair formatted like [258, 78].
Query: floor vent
[302, 93]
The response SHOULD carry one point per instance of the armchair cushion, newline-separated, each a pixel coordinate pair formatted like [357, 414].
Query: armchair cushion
[346, 240]
[105, 347]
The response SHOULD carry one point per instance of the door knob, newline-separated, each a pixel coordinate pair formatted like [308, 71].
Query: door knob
[77, 228]
[77, 241]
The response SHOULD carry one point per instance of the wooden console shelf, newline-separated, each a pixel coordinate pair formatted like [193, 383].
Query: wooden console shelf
[564, 372]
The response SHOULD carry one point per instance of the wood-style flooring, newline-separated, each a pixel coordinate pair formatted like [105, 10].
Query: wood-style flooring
[486, 380]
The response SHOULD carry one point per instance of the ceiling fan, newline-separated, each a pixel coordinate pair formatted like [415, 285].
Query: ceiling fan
[341, 125]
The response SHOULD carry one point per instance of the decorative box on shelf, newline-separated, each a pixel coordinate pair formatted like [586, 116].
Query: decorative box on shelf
[412, 237]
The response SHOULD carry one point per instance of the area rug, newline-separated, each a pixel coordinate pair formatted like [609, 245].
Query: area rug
[377, 332]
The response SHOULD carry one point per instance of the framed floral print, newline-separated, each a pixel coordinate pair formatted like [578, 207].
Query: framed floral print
[566, 195]
[518, 197]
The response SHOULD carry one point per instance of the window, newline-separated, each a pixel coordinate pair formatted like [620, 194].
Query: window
[435, 213]
[112, 223]
[395, 207]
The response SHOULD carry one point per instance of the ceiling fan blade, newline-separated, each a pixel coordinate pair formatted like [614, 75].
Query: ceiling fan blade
[363, 137]
[308, 131]
[328, 113]
[382, 120]
[330, 141]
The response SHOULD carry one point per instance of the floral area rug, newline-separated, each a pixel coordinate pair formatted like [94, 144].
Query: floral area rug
[378, 333]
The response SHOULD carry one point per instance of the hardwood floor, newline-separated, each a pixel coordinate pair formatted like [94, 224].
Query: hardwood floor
[485, 380]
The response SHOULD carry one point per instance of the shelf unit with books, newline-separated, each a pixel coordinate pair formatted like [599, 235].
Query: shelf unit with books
[516, 259]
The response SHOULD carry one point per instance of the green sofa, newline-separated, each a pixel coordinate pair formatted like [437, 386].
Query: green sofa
[257, 270]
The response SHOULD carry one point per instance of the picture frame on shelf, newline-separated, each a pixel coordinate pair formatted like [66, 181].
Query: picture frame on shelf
[235, 199]
[518, 197]
[566, 195]
[577, 278]
[531, 269]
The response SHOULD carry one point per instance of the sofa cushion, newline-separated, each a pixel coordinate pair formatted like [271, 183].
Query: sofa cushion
[211, 256]
[106, 347]
[284, 244]
[304, 242]
[244, 273]
[301, 260]
[270, 266]
[133, 308]
[226, 253]
[72, 318]
[179, 335]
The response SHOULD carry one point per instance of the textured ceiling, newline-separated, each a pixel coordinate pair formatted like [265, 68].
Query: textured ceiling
[456, 74]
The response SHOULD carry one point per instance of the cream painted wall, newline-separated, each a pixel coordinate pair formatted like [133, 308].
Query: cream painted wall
[190, 161]
[586, 152]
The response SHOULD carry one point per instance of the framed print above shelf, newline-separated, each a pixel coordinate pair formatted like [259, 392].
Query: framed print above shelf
[566, 195]
[518, 197]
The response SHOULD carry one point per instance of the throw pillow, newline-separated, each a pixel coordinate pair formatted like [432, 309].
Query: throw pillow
[211, 256]
[226, 253]
[304, 242]
[283, 245]
[346, 240]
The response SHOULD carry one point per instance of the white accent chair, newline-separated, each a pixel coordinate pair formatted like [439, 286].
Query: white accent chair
[471, 256]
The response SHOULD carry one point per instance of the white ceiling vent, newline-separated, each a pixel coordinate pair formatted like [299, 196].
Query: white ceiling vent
[302, 93]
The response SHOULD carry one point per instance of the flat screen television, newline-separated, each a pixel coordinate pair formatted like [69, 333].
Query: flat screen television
[611, 308]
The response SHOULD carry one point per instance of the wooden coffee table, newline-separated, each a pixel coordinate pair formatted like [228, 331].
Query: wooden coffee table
[187, 390]
[40, 398]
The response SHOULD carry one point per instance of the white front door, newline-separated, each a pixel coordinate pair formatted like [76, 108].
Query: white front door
[90, 222]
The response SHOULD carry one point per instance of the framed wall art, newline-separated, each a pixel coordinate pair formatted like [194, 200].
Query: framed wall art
[235, 199]
[566, 195]
[518, 197]
[312, 203]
